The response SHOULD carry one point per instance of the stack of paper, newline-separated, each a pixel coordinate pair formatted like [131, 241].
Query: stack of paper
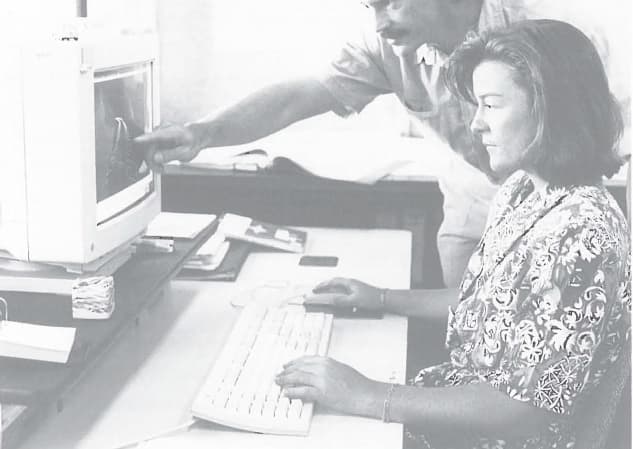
[210, 255]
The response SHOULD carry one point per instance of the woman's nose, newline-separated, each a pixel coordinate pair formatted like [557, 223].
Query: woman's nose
[478, 125]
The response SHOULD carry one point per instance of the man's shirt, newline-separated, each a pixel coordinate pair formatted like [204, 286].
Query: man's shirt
[370, 67]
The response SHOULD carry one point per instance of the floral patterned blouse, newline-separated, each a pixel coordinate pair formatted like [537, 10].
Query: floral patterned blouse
[544, 303]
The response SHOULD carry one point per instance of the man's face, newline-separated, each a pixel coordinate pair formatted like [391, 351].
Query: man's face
[407, 24]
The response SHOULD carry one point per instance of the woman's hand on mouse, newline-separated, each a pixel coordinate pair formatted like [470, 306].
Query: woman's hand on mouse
[346, 293]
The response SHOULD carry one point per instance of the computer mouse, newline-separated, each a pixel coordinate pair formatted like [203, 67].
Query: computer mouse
[343, 312]
[321, 298]
[325, 302]
[330, 288]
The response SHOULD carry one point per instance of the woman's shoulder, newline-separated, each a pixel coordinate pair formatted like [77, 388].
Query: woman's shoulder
[563, 210]
[588, 203]
[594, 204]
[592, 215]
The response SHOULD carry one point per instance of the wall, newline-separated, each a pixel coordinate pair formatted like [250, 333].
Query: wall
[36, 11]
[136, 14]
[217, 51]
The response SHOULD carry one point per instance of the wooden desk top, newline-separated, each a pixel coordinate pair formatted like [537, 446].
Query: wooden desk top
[145, 384]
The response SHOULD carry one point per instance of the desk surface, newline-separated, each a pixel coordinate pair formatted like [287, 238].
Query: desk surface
[146, 383]
[44, 386]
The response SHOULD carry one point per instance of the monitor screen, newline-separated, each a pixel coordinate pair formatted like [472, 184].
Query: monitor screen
[123, 109]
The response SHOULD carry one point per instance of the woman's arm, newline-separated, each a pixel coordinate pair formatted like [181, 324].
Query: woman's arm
[344, 292]
[476, 409]
[423, 303]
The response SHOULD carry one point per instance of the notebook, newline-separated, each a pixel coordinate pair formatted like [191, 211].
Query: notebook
[227, 271]
[210, 255]
[247, 229]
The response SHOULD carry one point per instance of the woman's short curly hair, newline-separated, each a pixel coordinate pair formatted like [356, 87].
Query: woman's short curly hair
[578, 121]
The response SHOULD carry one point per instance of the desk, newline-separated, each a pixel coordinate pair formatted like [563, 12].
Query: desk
[413, 203]
[137, 284]
[146, 383]
[299, 200]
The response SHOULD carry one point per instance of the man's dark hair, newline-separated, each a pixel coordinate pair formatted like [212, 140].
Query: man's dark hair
[578, 121]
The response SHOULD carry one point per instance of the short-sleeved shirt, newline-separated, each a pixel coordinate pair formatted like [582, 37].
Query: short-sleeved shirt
[369, 67]
[545, 302]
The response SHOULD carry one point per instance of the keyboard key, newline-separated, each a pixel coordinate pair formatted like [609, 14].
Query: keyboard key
[295, 408]
[282, 408]
[240, 389]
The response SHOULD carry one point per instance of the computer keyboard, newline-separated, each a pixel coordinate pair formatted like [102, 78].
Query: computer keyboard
[240, 390]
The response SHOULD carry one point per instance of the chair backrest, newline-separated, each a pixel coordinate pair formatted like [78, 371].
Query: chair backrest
[596, 414]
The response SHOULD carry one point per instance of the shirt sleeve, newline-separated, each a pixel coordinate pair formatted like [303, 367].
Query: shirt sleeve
[576, 312]
[443, 375]
[356, 76]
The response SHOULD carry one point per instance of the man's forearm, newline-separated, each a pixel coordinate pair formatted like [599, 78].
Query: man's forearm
[263, 113]
[428, 304]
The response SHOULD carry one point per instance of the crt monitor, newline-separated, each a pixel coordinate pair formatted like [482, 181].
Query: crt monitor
[72, 188]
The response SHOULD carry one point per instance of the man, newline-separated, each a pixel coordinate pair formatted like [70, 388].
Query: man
[404, 56]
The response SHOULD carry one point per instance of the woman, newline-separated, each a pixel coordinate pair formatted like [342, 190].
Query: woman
[543, 308]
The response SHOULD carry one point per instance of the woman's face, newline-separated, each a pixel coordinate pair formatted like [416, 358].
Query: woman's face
[503, 120]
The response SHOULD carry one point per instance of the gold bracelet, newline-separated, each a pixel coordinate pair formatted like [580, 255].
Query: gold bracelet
[387, 404]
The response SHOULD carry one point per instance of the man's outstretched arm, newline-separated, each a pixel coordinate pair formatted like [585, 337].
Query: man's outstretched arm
[260, 114]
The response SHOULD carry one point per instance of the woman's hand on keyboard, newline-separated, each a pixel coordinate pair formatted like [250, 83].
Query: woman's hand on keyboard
[346, 293]
[331, 383]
